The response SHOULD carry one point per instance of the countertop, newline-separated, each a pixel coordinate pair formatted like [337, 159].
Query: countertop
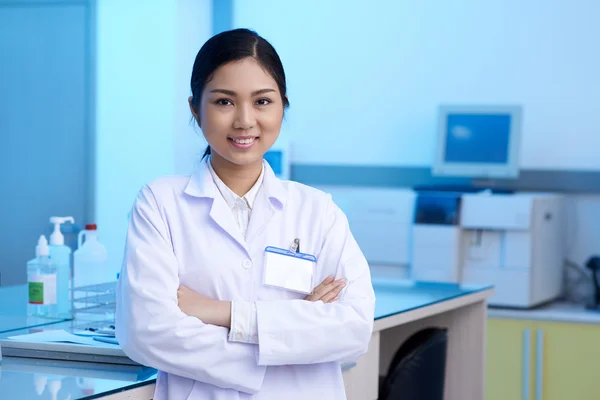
[399, 296]
[558, 311]
[13, 310]
[29, 379]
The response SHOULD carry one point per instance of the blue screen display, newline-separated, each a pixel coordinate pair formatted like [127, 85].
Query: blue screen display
[477, 138]
[275, 160]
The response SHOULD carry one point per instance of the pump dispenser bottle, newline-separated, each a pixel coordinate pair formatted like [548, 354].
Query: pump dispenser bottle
[60, 255]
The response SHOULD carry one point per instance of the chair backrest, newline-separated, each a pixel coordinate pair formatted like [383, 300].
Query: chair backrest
[418, 369]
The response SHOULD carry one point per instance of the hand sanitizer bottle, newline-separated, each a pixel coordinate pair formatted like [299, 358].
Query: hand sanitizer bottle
[60, 255]
[42, 282]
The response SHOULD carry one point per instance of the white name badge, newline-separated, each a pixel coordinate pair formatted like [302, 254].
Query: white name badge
[289, 270]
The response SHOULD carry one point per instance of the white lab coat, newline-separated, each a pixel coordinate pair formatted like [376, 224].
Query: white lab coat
[182, 232]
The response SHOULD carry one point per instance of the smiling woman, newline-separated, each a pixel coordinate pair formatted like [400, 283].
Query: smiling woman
[228, 307]
[240, 125]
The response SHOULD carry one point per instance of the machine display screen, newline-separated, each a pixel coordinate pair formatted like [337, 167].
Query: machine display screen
[275, 160]
[478, 138]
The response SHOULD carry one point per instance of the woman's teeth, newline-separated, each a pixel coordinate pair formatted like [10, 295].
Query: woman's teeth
[244, 141]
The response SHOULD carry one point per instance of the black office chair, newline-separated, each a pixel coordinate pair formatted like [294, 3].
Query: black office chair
[418, 369]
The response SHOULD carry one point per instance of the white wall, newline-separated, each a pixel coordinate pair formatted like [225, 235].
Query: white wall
[145, 52]
[194, 27]
[356, 73]
[365, 77]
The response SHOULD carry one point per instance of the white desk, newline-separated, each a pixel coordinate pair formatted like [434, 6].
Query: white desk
[461, 311]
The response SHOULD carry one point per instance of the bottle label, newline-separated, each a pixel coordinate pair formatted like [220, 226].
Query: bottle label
[42, 289]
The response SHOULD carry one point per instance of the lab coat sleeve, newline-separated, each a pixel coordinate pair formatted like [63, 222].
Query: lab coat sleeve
[151, 328]
[303, 332]
[243, 322]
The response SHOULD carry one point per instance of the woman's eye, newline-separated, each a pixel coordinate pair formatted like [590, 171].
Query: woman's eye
[223, 102]
[263, 102]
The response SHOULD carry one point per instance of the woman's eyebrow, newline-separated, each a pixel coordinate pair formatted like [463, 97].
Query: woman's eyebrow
[232, 93]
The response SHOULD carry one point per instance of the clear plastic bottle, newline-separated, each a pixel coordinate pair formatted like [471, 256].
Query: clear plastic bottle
[90, 259]
[42, 280]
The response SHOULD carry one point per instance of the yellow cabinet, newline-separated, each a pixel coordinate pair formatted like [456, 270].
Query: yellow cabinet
[508, 360]
[569, 355]
[538, 360]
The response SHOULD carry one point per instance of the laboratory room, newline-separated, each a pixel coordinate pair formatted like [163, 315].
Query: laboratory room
[238, 199]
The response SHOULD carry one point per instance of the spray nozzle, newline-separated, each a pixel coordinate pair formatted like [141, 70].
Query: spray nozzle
[57, 238]
[42, 248]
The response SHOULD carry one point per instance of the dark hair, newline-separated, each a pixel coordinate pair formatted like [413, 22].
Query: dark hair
[230, 46]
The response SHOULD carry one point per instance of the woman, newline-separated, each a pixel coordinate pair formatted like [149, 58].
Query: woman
[216, 290]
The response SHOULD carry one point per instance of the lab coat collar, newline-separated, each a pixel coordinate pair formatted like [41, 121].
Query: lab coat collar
[201, 184]
[271, 195]
[230, 197]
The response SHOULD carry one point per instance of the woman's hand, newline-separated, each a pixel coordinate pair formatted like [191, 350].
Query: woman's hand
[328, 291]
[207, 310]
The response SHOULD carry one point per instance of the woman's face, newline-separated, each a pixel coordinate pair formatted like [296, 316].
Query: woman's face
[241, 111]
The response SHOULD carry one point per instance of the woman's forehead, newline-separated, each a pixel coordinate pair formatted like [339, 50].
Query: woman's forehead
[243, 76]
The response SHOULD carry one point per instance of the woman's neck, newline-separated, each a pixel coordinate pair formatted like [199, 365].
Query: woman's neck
[238, 178]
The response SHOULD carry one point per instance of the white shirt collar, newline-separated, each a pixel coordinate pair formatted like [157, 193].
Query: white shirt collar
[230, 197]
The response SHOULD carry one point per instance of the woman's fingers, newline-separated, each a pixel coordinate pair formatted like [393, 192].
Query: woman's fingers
[319, 288]
[333, 294]
[327, 291]
[327, 281]
[323, 289]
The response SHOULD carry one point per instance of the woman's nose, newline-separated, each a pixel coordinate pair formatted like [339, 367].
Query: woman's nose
[244, 118]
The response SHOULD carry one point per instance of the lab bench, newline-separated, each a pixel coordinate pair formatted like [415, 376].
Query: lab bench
[402, 309]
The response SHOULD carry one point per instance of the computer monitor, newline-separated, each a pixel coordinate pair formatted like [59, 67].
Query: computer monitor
[278, 158]
[478, 141]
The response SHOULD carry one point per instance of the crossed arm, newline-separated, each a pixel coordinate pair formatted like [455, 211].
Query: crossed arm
[218, 312]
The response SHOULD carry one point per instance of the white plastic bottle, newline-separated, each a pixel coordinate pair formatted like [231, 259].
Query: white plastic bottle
[60, 255]
[90, 259]
[42, 281]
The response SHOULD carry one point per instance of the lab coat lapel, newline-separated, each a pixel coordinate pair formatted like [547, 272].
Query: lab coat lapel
[262, 212]
[202, 185]
[222, 216]
[271, 197]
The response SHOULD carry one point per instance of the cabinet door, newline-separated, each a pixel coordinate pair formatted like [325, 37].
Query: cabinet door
[567, 361]
[509, 358]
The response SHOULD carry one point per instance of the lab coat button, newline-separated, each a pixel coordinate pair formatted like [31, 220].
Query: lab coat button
[246, 264]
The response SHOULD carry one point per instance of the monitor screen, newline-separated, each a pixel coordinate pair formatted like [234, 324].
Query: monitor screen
[275, 160]
[477, 138]
[278, 158]
[478, 141]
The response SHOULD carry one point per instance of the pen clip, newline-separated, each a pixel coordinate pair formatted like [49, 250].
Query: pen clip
[295, 247]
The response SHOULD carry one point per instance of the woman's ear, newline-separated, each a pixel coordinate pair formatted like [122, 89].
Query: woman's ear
[193, 110]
